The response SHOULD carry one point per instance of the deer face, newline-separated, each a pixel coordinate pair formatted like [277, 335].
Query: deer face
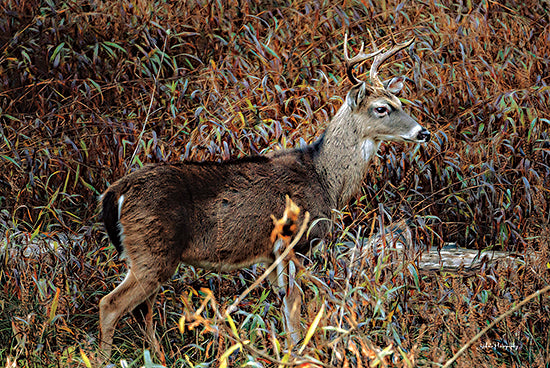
[380, 116]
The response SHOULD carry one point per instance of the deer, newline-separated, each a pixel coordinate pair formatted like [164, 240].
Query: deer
[218, 215]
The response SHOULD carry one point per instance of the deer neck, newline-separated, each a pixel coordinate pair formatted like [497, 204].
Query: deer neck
[343, 157]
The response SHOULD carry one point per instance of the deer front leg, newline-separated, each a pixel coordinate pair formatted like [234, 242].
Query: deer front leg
[292, 302]
[284, 283]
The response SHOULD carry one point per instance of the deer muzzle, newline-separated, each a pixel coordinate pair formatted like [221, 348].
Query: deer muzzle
[423, 135]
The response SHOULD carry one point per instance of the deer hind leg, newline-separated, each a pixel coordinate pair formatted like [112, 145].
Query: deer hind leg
[144, 313]
[137, 288]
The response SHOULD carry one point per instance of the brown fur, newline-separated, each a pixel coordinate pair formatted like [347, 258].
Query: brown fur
[209, 204]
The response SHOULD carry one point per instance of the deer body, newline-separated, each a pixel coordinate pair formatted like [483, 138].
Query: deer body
[218, 215]
[214, 215]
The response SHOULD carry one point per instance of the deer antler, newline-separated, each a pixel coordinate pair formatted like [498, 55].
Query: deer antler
[359, 58]
[380, 59]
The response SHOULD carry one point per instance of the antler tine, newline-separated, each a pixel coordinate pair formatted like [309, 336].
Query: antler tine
[380, 59]
[357, 59]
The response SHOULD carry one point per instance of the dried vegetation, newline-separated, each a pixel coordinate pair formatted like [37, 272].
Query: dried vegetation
[85, 84]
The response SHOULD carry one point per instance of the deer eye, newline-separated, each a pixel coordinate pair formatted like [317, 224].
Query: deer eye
[381, 110]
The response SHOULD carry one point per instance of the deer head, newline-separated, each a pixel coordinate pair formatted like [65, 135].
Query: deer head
[376, 103]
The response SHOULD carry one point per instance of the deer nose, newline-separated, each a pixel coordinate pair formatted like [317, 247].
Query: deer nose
[423, 135]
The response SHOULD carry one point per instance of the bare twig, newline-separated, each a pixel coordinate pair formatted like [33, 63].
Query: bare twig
[492, 324]
[150, 102]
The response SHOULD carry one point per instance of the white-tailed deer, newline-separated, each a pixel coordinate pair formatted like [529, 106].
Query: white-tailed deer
[217, 215]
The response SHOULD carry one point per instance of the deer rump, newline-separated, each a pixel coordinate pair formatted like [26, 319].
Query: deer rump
[212, 215]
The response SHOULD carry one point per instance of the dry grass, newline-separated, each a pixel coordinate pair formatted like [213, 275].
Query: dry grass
[79, 79]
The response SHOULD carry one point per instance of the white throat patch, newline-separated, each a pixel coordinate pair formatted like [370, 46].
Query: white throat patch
[368, 149]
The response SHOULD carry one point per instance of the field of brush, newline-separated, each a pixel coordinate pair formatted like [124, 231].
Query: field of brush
[90, 90]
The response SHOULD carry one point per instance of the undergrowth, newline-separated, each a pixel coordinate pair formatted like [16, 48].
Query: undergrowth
[90, 90]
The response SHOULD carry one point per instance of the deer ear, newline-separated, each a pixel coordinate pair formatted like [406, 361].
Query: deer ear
[356, 95]
[394, 85]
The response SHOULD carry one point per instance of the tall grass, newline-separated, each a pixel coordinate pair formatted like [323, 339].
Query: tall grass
[78, 80]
